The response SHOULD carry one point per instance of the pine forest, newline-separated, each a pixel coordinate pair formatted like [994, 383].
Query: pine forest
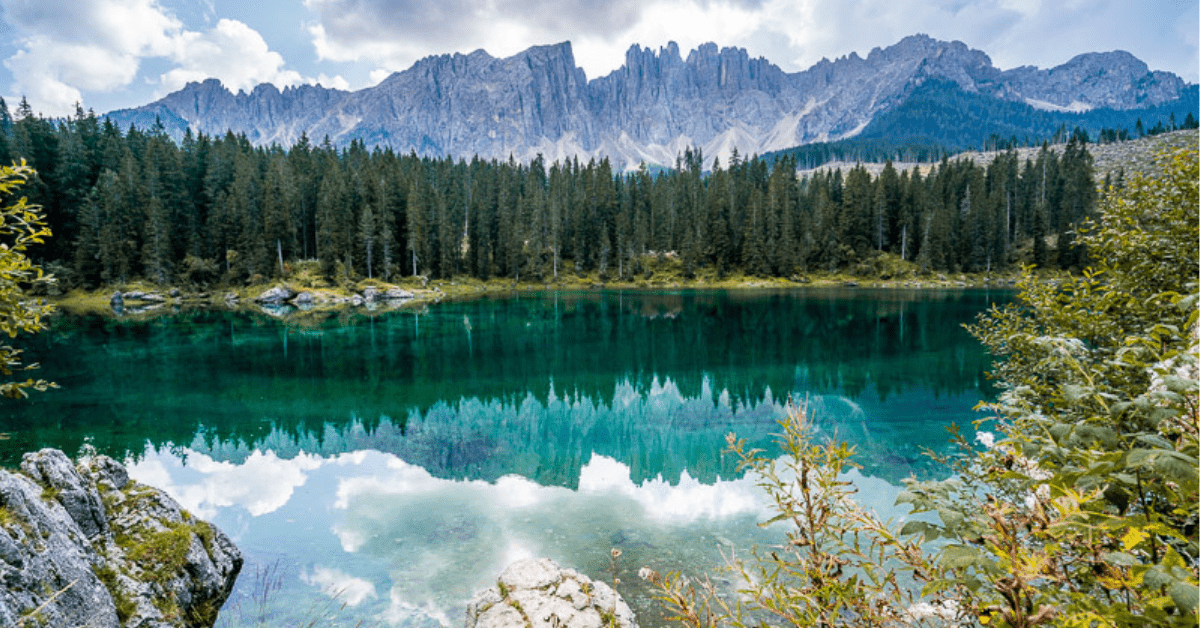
[126, 205]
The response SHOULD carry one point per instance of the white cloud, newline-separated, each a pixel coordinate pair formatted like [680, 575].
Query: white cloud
[339, 585]
[232, 52]
[393, 34]
[335, 82]
[261, 484]
[417, 531]
[70, 47]
[67, 49]
[794, 34]
[132, 27]
[378, 74]
[680, 504]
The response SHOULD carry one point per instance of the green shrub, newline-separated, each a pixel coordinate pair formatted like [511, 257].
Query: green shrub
[839, 566]
[1081, 510]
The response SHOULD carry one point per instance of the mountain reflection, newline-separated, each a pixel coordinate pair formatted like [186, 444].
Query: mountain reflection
[532, 384]
[659, 432]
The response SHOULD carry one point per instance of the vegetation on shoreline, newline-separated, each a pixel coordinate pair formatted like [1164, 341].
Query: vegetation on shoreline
[218, 213]
[662, 273]
[1081, 508]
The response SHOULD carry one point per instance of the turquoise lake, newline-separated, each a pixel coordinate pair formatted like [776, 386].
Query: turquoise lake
[382, 466]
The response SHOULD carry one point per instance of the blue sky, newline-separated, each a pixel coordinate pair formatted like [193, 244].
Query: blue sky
[109, 54]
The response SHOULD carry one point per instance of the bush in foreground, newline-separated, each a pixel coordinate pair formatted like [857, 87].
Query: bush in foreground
[1080, 511]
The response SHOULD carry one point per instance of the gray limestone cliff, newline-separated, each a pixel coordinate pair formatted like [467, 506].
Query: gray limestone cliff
[83, 545]
[649, 110]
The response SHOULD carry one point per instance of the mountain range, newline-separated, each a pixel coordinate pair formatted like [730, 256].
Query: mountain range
[651, 108]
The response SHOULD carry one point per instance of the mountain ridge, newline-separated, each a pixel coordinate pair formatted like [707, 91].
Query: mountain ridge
[650, 109]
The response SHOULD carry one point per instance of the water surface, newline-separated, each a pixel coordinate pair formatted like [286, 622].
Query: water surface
[382, 466]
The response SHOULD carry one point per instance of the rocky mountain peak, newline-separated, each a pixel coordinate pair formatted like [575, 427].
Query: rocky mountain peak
[539, 101]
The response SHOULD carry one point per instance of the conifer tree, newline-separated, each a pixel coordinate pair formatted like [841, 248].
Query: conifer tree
[853, 222]
[417, 227]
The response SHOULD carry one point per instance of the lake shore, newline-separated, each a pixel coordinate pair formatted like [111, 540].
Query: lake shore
[146, 299]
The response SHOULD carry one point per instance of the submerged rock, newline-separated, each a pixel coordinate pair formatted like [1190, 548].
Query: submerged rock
[537, 593]
[82, 545]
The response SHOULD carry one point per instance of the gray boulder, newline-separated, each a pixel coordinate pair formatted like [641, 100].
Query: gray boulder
[82, 545]
[276, 296]
[537, 593]
[138, 295]
[397, 294]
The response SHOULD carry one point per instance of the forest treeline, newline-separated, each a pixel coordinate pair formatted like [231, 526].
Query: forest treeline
[133, 204]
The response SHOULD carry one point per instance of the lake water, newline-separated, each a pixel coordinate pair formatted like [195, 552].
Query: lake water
[383, 466]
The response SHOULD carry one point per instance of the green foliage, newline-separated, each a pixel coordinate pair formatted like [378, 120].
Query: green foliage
[1083, 512]
[1089, 496]
[21, 225]
[50, 493]
[199, 272]
[133, 206]
[125, 605]
[160, 554]
[839, 565]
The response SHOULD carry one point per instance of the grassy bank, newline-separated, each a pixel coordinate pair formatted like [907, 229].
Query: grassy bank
[655, 273]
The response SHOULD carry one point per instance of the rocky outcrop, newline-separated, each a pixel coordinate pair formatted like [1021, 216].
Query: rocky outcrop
[138, 295]
[537, 593]
[276, 296]
[396, 294]
[650, 109]
[83, 545]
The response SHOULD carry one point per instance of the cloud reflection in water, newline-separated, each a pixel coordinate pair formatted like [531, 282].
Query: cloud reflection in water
[357, 523]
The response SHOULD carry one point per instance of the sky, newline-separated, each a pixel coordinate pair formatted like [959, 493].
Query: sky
[111, 54]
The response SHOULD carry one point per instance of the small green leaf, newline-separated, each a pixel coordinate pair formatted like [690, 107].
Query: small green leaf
[1177, 467]
[957, 556]
[1185, 595]
[1156, 576]
[1154, 440]
[950, 518]
[1173, 559]
[1074, 392]
[913, 527]
[1121, 558]
[1140, 457]
[1180, 385]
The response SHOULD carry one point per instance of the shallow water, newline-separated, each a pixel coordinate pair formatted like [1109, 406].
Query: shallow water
[384, 466]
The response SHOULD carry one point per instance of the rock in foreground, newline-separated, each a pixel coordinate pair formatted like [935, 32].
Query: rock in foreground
[537, 593]
[83, 545]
